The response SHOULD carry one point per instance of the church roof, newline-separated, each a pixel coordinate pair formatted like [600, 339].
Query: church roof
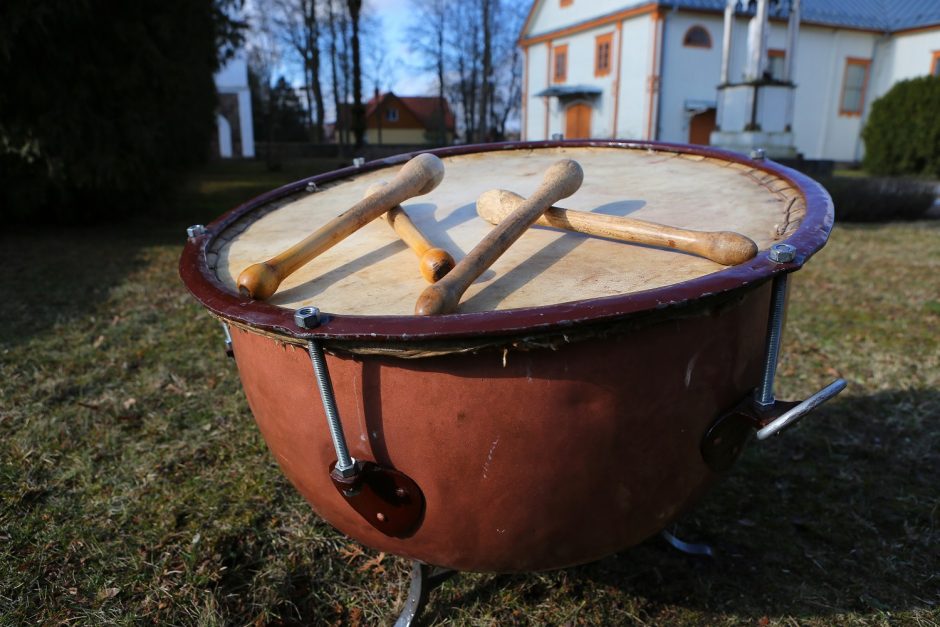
[877, 15]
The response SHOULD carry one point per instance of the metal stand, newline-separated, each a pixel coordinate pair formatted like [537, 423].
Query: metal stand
[424, 579]
[689, 548]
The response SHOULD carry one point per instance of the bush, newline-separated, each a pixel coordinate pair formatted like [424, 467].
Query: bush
[862, 199]
[902, 136]
[104, 105]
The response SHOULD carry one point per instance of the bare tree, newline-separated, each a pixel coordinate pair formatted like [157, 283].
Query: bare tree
[379, 68]
[486, 8]
[463, 53]
[297, 22]
[337, 28]
[264, 54]
[427, 35]
[358, 110]
[506, 96]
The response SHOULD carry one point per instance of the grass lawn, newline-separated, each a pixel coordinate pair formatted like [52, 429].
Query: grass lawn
[134, 486]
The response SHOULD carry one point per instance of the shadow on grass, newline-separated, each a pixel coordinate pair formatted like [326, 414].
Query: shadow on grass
[63, 274]
[58, 276]
[834, 517]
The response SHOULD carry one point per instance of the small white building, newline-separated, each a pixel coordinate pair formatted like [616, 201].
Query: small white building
[233, 120]
[652, 69]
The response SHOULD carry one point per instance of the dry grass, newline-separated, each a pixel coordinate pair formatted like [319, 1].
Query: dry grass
[135, 487]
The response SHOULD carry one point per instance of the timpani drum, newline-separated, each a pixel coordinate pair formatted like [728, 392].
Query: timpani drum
[585, 392]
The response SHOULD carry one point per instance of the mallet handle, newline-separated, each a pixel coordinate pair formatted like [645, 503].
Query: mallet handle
[561, 180]
[434, 262]
[419, 176]
[725, 247]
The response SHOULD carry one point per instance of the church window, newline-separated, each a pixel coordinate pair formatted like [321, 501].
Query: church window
[602, 54]
[697, 37]
[854, 83]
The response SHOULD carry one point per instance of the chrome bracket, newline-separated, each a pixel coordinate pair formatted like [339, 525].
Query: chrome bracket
[796, 413]
[762, 412]
[228, 341]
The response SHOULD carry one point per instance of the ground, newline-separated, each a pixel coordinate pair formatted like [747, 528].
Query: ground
[136, 488]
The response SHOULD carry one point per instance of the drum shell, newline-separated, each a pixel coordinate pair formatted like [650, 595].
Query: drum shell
[528, 459]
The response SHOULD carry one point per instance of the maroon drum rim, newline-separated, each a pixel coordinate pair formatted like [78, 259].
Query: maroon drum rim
[205, 286]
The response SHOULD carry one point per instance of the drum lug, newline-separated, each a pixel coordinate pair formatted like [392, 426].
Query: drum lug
[787, 414]
[387, 499]
[725, 438]
[195, 231]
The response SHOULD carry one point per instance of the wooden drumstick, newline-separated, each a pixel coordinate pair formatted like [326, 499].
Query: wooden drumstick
[725, 247]
[434, 262]
[419, 176]
[561, 180]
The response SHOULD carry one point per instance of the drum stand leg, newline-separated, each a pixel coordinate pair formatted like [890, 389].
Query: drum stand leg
[424, 579]
[688, 548]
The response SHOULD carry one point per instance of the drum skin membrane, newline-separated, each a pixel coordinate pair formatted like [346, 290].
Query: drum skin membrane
[372, 272]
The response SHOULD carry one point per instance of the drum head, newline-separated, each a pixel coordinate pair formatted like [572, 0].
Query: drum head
[372, 272]
[548, 279]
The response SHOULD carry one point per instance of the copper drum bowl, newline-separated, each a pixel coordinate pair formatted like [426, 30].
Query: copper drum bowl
[541, 436]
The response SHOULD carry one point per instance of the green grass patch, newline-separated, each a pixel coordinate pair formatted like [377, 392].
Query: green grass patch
[136, 488]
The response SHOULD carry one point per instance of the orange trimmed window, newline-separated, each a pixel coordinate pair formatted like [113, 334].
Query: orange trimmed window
[697, 37]
[560, 64]
[935, 65]
[602, 46]
[566, 3]
[854, 83]
[775, 62]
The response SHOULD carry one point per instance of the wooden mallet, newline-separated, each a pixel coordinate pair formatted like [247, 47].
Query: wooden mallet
[419, 176]
[725, 247]
[434, 262]
[561, 180]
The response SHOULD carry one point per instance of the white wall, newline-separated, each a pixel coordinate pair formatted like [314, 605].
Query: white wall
[580, 71]
[232, 78]
[225, 136]
[536, 75]
[902, 57]
[633, 100]
[688, 73]
[820, 131]
[233, 75]
[551, 16]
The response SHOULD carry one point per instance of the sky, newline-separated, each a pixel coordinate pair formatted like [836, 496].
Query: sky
[401, 75]
[406, 81]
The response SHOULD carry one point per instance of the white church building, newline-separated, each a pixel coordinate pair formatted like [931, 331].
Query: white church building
[233, 122]
[788, 75]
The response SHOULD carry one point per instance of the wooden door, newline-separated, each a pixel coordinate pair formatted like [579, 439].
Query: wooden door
[701, 127]
[578, 121]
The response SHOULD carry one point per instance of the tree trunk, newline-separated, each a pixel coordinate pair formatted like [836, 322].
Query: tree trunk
[443, 140]
[337, 127]
[378, 116]
[358, 110]
[486, 78]
[313, 50]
